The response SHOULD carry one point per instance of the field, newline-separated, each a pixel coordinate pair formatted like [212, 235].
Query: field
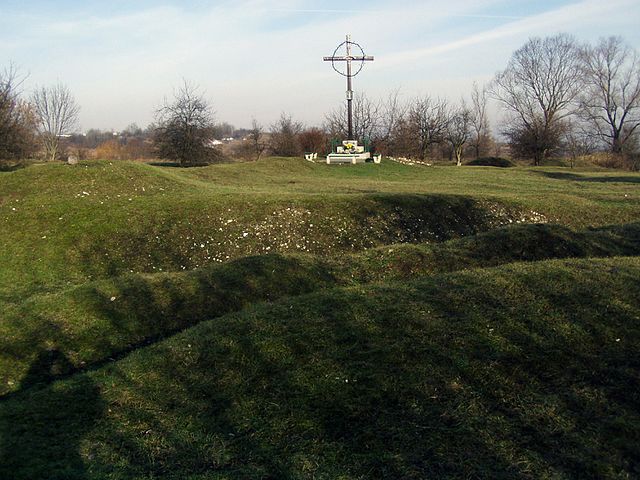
[284, 319]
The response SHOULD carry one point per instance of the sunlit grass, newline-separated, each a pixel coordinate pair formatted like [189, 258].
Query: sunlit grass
[61, 224]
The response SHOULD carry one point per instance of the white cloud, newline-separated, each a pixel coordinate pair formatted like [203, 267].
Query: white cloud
[564, 19]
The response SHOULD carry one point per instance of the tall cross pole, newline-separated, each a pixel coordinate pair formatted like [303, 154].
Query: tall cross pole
[348, 58]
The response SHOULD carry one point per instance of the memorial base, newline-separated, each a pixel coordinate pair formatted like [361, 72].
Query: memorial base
[353, 158]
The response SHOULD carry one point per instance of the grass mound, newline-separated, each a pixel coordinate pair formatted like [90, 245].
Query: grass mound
[491, 162]
[63, 225]
[105, 319]
[135, 220]
[497, 247]
[524, 371]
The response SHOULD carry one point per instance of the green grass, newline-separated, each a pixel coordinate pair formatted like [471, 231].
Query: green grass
[491, 373]
[108, 318]
[203, 323]
[62, 225]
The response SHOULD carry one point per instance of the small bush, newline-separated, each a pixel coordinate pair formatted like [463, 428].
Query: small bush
[608, 160]
[632, 161]
[110, 150]
[491, 162]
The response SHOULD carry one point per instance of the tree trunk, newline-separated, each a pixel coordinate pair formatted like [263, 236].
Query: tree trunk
[616, 144]
[458, 152]
[50, 147]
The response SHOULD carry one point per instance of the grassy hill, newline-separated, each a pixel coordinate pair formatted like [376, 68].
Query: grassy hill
[61, 225]
[283, 319]
[491, 373]
[106, 319]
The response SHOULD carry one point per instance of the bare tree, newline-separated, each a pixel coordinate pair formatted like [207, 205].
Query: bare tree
[427, 120]
[57, 113]
[535, 140]
[223, 130]
[256, 134]
[481, 138]
[17, 119]
[314, 140]
[538, 87]
[184, 129]
[393, 113]
[611, 99]
[366, 118]
[577, 141]
[132, 130]
[284, 136]
[459, 130]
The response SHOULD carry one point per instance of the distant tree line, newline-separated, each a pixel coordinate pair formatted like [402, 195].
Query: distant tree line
[559, 98]
[419, 128]
[17, 118]
[560, 95]
[37, 123]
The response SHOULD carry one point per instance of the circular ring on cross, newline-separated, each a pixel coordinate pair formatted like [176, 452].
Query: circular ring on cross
[355, 58]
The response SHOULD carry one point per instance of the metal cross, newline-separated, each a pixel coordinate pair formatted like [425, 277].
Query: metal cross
[349, 57]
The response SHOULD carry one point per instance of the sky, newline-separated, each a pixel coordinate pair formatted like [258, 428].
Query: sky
[259, 58]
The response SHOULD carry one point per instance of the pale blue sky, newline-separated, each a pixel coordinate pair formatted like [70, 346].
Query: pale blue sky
[258, 58]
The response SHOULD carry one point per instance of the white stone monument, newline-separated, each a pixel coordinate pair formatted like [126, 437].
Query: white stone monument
[348, 152]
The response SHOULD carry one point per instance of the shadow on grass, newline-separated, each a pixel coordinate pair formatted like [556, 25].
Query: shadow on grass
[511, 374]
[584, 178]
[165, 164]
[169, 164]
[491, 162]
[41, 429]
[469, 377]
[419, 218]
[111, 318]
[126, 313]
[273, 400]
[12, 167]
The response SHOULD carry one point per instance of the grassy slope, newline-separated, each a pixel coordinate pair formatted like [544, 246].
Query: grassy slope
[76, 225]
[527, 370]
[107, 318]
[71, 225]
[524, 371]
